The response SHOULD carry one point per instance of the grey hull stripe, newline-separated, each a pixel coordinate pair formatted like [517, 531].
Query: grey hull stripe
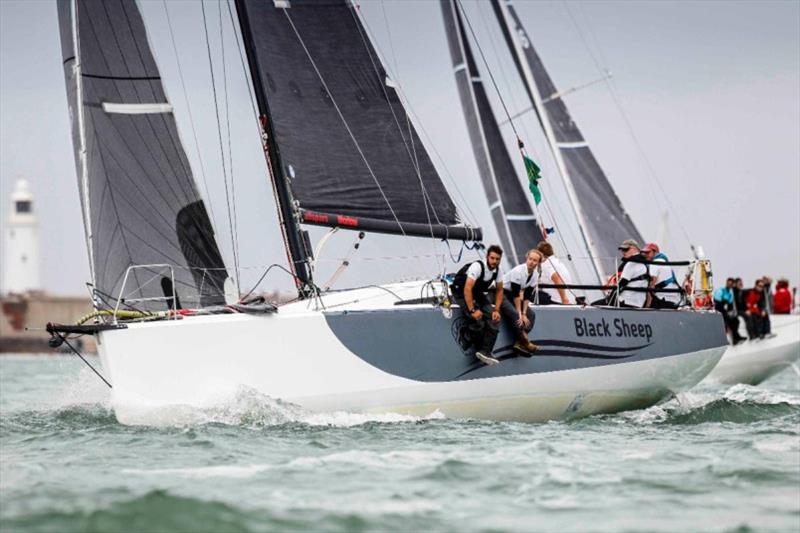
[572, 338]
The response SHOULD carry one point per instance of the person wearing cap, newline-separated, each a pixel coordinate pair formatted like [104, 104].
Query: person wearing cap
[629, 248]
[634, 278]
[663, 278]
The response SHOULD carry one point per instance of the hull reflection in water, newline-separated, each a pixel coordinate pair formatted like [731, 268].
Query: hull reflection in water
[366, 354]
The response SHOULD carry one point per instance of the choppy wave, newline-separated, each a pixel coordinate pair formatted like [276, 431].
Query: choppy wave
[154, 511]
[738, 404]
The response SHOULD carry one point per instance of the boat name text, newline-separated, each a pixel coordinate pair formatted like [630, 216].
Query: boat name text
[621, 328]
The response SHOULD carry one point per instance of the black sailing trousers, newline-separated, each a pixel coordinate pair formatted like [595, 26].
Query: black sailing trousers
[484, 331]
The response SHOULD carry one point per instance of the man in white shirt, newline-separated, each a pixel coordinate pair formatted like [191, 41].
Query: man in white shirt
[470, 287]
[662, 277]
[519, 284]
[633, 282]
[554, 272]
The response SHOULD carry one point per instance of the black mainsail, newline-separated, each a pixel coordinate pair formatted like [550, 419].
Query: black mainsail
[139, 199]
[511, 211]
[342, 151]
[602, 218]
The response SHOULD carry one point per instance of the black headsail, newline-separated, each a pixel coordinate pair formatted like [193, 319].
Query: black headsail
[602, 218]
[514, 219]
[140, 203]
[342, 150]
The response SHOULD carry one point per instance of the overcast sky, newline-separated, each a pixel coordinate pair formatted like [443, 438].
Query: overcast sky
[712, 90]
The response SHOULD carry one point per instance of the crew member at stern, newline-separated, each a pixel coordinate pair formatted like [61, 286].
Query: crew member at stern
[519, 284]
[470, 288]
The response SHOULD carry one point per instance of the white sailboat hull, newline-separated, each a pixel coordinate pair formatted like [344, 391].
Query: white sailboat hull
[753, 362]
[299, 356]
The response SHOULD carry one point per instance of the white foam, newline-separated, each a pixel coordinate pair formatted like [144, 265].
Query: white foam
[248, 407]
[773, 446]
[401, 460]
[745, 393]
[204, 472]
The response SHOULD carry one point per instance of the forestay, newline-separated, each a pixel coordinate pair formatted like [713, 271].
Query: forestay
[139, 199]
[346, 147]
[517, 227]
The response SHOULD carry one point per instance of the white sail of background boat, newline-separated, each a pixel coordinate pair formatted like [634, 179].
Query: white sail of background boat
[337, 144]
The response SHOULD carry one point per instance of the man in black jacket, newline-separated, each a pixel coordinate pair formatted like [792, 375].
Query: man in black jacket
[470, 288]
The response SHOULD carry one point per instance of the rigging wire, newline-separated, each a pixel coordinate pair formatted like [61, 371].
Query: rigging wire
[545, 203]
[228, 129]
[255, 113]
[411, 151]
[410, 113]
[520, 144]
[221, 149]
[347, 127]
[489, 70]
[631, 131]
[189, 113]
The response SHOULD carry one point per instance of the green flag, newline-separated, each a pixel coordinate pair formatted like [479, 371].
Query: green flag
[533, 179]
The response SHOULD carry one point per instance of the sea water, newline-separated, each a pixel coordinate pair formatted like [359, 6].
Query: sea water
[714, 459]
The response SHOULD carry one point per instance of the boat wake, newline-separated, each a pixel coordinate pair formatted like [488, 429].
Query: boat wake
[250, 408]
[737, 404]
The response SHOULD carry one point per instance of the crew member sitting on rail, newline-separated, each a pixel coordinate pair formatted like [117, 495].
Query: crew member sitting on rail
[628, 248]
[634, 281]
[663, 277]
[556, 273]
[469, 287]
[519, 284]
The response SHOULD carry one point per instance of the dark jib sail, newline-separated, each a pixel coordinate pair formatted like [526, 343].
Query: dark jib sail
[511, 211]
[346, 147]
[607, 223]
[139, 200]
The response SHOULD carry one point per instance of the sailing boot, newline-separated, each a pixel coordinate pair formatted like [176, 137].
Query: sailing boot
[524, 346]
[484, 354]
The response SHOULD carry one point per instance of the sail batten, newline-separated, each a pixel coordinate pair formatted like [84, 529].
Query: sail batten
[344, 141]
[140, 202]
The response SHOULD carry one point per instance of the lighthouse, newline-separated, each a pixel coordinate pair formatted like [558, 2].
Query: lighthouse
[21, 243]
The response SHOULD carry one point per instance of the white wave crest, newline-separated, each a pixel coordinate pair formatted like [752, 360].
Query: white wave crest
[250, 408]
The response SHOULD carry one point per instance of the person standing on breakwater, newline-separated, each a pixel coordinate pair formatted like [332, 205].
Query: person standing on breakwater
[519, 284]
[470, 288]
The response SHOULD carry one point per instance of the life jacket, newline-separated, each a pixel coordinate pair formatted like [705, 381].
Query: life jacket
[481, 286]
[672, 280]
[642, 281]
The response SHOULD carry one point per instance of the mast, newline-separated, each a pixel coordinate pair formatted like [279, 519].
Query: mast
[295, 238]
[501, 9]
[83, 171]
